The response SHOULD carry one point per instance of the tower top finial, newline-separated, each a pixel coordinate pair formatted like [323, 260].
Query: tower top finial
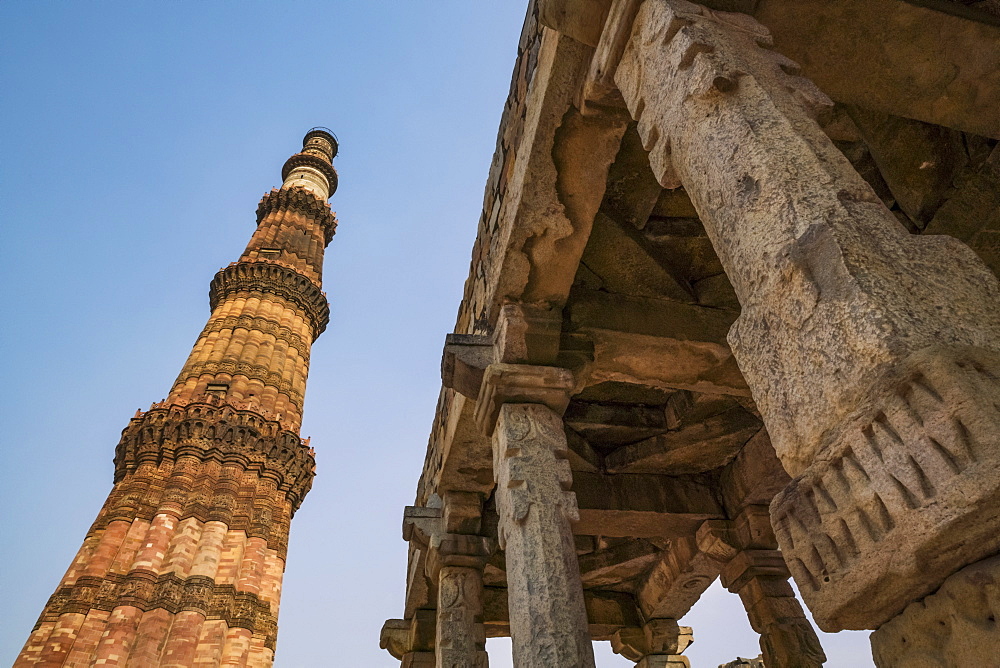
[324, 133]
[312, 167]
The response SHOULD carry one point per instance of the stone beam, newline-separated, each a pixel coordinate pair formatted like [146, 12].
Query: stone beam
[617, 563]
[656, 342]
[677, 581]
[925, 60]
[607, 611]
[580, 19]
[694, 448]
[894, 56]
[642, 505]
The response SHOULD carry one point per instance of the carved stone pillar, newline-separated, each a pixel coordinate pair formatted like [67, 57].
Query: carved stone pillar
[754, 569]
[872, 354]
[520, 405]
[457, 561]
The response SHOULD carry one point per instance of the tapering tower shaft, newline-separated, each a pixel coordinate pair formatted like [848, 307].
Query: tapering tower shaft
[184, 563]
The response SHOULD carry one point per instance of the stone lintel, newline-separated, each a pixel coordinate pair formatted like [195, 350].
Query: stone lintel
[694, 448]
[607, 612]
[658, 342]
[897, 51]
[524, 384]
[599, 91]
[420, 523]
[580, 19]
[642, 505]
[904, 59]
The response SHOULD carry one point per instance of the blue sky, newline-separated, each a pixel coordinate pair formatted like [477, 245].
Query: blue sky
[137, 139]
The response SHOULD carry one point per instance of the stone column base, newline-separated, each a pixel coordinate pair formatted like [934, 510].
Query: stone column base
[955, 627]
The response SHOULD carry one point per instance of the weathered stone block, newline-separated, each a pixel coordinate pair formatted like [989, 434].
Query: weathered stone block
[912, 475]
[955, 627]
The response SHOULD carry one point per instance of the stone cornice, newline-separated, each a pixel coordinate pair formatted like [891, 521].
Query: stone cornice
[271, 278]
[222, 434]
[302, 201]
[317, 163]
[147, 591]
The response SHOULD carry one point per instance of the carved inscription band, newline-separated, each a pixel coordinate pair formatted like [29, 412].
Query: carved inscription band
[272, 279]
[220, 434]
[147, 591]
[252, 371]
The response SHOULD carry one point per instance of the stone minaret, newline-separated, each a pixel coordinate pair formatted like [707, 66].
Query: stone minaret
[184, 564]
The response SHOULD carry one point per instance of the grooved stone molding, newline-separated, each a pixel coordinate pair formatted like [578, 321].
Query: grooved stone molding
[300, 201]
[263, 325]
[843, 313]
[916, 475]
[548, 620]
[955, 627]
[273, 279]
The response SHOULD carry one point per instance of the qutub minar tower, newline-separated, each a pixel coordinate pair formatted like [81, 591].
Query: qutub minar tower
[183, 566]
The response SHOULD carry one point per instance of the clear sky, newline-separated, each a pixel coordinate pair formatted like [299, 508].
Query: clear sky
[137, 139]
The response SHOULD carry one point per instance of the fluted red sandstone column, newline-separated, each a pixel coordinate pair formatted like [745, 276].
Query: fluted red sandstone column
[183, 566]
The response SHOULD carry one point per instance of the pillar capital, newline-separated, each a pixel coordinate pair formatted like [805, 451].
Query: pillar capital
[458, 551]
[521, 384]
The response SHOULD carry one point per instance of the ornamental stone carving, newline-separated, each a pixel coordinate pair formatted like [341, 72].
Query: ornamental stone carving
[273, 279]
[300, 201]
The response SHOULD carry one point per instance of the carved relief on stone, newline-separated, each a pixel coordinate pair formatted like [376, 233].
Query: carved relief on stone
[214, 432]
[955, 627]
[302, 201]
[148, 591]
[461, 638]
[548, 619]
[914, 475]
